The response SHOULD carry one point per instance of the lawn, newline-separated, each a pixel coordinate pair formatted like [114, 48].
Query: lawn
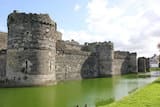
[148, 96]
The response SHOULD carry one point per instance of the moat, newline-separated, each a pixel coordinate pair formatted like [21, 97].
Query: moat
[68, 94]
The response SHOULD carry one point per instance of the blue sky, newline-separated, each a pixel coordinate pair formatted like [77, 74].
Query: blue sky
[133, 25]
[62, 11]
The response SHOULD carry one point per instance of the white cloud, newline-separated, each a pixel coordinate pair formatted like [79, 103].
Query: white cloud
[132, 25]
[80, 36]
[77, 7]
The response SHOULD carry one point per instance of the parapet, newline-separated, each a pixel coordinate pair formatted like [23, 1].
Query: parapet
[92, 46]
[133, 54]
[67, 45]
[17, 17]
[99, 43]
[123, 54]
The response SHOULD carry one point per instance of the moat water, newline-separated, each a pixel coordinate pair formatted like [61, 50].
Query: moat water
[92, 92]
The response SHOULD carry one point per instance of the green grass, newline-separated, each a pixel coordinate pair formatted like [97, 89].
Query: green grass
[154, 69]
[148, 96]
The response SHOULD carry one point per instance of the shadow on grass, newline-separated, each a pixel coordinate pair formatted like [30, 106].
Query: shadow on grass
[157, 81]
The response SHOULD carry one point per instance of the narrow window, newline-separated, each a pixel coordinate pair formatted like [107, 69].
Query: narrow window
[26, 66]
[50, 66]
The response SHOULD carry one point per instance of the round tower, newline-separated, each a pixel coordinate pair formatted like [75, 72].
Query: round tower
[31, 49]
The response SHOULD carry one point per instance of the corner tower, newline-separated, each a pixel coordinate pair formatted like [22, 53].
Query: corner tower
[105, 55]
[31, 49]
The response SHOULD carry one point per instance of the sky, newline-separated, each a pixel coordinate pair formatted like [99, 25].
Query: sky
[132, 25]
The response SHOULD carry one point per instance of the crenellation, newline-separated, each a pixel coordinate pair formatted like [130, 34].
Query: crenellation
[121, 54]
[30, 18]
[67, 45]
[92, 46]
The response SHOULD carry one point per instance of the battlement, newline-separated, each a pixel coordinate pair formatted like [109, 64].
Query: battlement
[92, 46]
[17, 17]
[121, 54]
[109, 43]
[133, 54]
[68, 45]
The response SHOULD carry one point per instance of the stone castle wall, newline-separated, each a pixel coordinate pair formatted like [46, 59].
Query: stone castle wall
[74, 61]
[124, 62]
[69, 60]
[37, 55]
[99, 63]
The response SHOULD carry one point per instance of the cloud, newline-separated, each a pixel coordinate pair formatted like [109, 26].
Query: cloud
[127, 23]
[77, 7]
[80, 36]
[132, 25]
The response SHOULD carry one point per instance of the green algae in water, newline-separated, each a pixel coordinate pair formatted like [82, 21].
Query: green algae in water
[104, 102]
[72, 93]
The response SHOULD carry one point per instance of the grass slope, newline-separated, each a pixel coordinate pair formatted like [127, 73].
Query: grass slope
[148, 96]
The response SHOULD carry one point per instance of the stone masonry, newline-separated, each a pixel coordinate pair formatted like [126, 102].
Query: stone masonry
[143, 64]
[34, 54]
[31, 49]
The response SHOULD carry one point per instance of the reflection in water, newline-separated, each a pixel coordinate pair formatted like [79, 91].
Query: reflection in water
[68, 94]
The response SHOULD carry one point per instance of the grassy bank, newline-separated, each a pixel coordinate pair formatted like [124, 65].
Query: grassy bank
[148, 96]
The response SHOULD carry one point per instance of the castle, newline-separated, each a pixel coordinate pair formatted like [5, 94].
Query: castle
[33, 53]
